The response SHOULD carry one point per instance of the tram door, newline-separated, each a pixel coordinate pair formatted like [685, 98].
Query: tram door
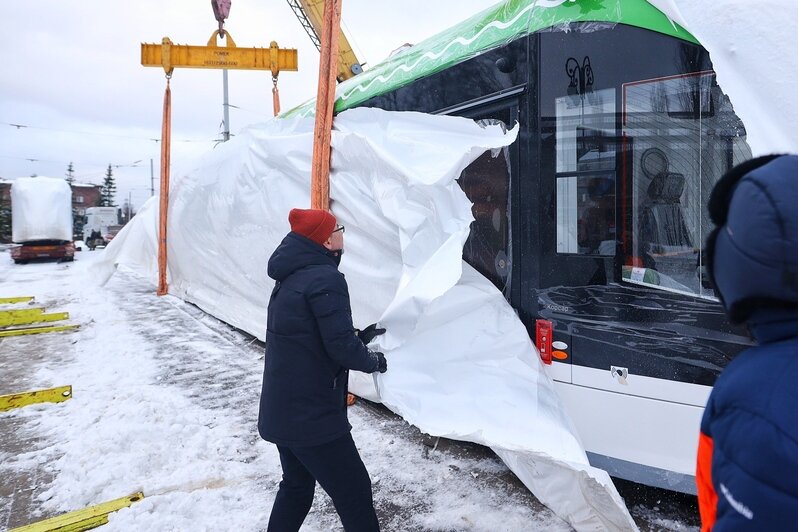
[488, 183]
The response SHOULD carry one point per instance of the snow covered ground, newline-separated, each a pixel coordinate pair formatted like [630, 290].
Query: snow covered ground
[165, 401]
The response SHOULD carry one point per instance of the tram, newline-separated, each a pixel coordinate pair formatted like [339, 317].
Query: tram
[592, 223]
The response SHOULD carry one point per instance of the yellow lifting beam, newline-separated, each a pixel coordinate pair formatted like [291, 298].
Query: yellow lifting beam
[20, 331]
[169, 55]
[21, 299]
[29, 315]
[50, 395]
[85, 519]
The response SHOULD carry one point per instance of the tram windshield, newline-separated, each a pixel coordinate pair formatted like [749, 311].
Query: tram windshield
[683, 136]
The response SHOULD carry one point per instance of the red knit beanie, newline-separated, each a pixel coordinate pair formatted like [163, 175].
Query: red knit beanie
[314, 224]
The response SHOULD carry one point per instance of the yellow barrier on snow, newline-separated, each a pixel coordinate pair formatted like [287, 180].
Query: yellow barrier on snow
[36, 330]
[50, 395]
[21, 299]
[28, 316]
[79, 520]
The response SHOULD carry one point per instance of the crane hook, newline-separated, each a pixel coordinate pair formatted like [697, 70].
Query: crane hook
[221, 10]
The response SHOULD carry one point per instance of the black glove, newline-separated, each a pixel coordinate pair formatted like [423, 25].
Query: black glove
[382, 363]
[369, 333]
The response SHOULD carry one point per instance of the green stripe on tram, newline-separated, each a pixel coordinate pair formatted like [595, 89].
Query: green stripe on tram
[491, 28]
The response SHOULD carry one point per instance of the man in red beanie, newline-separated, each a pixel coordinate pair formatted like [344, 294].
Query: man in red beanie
[314, 224]
[311, 345]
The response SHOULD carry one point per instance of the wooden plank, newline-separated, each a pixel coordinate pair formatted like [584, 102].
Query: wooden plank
[28, 316]
[84, 519]
[36, 330]
[21, 299]
[19, 316]
[50, 395]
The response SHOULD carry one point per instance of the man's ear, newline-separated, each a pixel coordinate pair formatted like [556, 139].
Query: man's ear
[328, 243]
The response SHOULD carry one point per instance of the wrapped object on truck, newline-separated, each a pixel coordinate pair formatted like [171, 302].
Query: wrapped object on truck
[41, 209]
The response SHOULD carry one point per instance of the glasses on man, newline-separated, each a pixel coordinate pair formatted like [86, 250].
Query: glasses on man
[339, 228]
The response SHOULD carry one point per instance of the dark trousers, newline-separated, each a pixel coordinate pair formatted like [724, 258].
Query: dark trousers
[339, 471]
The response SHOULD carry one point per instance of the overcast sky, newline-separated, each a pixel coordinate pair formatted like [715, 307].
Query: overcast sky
[72, 76]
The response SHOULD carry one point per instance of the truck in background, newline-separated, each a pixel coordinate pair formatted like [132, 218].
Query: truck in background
[101, 226]
[41, 219]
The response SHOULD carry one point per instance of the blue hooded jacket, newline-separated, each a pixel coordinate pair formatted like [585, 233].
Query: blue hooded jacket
[748, 448]
[750, 426]
[310, 346]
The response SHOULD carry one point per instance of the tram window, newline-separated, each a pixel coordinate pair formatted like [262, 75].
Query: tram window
[586, 215]
[586, 149]
[685, 136]
[585, 129]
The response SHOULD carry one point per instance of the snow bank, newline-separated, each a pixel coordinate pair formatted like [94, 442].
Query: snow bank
[169, 406]
[753, 48]
[41, 209]
[461, 363]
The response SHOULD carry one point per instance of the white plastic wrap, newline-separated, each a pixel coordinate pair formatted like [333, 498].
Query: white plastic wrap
[753, 48]
[41, 209]
[461, 364]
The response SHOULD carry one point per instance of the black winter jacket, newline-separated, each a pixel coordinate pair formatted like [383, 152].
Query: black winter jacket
[310, 346]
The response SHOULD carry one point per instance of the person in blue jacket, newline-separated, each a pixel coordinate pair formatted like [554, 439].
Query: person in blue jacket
[311, 345]
[747, 472]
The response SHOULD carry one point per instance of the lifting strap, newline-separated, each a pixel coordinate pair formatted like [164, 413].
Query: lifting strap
[325, 104]
[166, 138]
[275, 96]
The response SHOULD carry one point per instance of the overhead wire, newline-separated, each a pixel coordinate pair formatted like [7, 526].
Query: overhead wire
[74, 162]
[247, 110]
[74, 132]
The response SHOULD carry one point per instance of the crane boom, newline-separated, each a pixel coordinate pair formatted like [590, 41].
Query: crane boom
[310, 14]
